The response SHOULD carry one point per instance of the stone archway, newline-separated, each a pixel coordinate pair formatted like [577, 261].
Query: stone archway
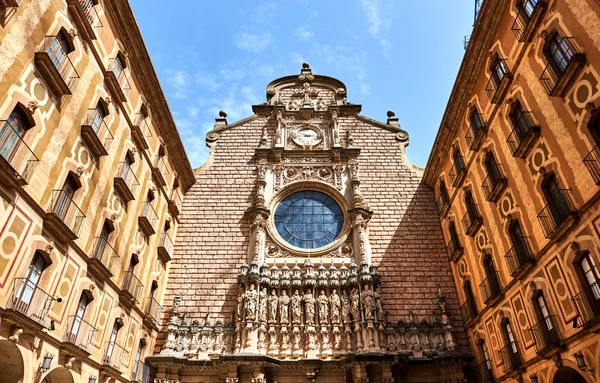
[11, 363]
[59, 375]
[568, 375]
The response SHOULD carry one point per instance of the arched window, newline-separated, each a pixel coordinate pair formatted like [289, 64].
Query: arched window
[12, 132]
[458, 168]
[495, 182]
[138, 364]
[484, 369]
[27, 293]
[510, 352]
[526, 7]
[84, 300]
[469, 308]
[490, 287]
[443, 200]
[472, 219]
[112, 345]
[559, 52]
[498, 70]
[59, 50]
[103, 251]
[520, 253]
[97, 116]
[454, 248]
[559, 205]
[544, 332]
[590, 274]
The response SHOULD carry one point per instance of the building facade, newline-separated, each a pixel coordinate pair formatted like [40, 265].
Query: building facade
[515, 168]
[92, 175]
[309, 249]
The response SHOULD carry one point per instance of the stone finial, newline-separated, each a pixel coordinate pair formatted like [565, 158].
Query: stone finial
[92, 287]
[223, 114]
[32, 106]
[574, 246]
[391, 113]
[221, 121]
[392, 119]
[49, 247]
[79, 171]
[107, 100]
[113, 217]
[305, 66]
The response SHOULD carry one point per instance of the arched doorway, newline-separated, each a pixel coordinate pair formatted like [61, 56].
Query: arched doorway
[11, 363]
[59, 375]
[568, 375]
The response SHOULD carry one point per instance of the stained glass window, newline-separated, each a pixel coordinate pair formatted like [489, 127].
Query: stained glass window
[309, 219]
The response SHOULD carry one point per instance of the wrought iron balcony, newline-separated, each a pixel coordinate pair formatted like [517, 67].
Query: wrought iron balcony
[497, 87]
[454, 249]
[115, 356]
[17, 160]
[28, 302]
[559, 213]
[85, 17]
[510, 356]
[96, 134]
[153, 310]
[587, 302]
[65, 218]
[56, 67]
[545, 334]
[484, 372]
[160, 170]
[132, 286]
[137, 375]
[490, 287]
[9, 3]
[141, 131]
[472, 220]
[475, 134]
[80, 335]
[557, 79]
[459, 171]
[148, 219]
[165, 247]
[494, 184]
[523, 136]
[104, 260]
[468, 310]
[117, 81]
[175, 202]
[443, 203]
[126, 183]
[529, 15]
[519, 256]
[592, 163]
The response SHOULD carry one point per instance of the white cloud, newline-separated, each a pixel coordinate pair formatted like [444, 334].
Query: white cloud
[365, 89]
[378, 21]
[297, 58]
[207, 81]
[303, 34]
[253, 42]
[232, 74]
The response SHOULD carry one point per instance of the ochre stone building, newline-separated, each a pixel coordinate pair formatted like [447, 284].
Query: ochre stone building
[516, 168]
[92, 174]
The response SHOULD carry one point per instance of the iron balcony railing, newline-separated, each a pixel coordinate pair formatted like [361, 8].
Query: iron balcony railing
[490, 287]
[511, 359]
[559, 208]
[31, 301]
[95, 119]
[132, 284]
[545, 334]
[115, 355]
[475, 133]
[161, 164]
[587, 302]
[495, 83]
[471, 220]
[67, 211]
[468, 309]
[443, 202]
[556, 69]
[154, 309]
[143, 125]
[166, 243]
[454, 249]
[493, 182]
[87, 6]
[458, 170]
[592, 163]
[125, 173]
[177, 199]
[16, 152]
[525, 13]
[519, 255]
[80, 333]
[61, 61]
[520, 136]
[106, 254]
[116, 67]
[484, 372]
[149, 213]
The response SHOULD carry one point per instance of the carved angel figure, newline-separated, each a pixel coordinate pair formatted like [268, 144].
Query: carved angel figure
[346, 308]
[355, 305]
[379, 306]
[368, 303]
[323, 308]
[296, 308]
[251, 303]
[335, 303]
[262, 306]
[309, 307]
[284, 304]
[239, 310]
[273, 301]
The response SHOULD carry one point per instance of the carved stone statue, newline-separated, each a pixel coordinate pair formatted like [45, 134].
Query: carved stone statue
[335, 303]
[309, 307]
[251, 296]
[262, 306]
[368, 303]
[323, 308]
[378, 305]
[355, 306]
[273, 301]
[284, 304]
[346, 308]
[296, 308]
[239, 310]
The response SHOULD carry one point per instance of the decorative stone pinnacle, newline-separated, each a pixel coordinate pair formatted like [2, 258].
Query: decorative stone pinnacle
[391, 113]
[305, 65]
[222, 114]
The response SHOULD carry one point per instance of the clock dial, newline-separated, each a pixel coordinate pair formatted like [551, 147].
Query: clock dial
[307, 137]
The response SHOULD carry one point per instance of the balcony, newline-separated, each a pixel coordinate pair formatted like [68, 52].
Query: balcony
[511, 359]
[132, 290]
[497, 87]
[528, 18]
[117, 81]
[592, 163]
[17, 160]
[557, 81]
[443, 204]
[472, 220]
[115, 357]
[523, 136]
[141, 131]
[165, 248]
[104, 261]
[459, 172]
[468, 310]
[159, 170]
[519, 256]
[484, 372]
[126, 183]
[95, 133]
[490, 288]
[454, 249]
[148, 219]
[494, 184]
[558, 214]
[79, 337]
[175, 202]
[153, 313]
[55, 67]
[137, 375]
[545, 335]
[28, 305]
[86, 18]
[65, 218]
[587, 302]
[9, 3]
[475, 134]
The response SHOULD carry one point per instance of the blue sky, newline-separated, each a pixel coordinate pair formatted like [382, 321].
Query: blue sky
[391, 54]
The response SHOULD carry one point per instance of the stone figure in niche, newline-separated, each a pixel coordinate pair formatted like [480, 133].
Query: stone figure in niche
[251, 296]
[309, 307]
[378, 305]
[296, 308]
[335, 303]
[273, 301]
[355, 305]
[323, 308]
[262, 306]
[346, 308]
[284, 304]
[239, 310]
[368, 303]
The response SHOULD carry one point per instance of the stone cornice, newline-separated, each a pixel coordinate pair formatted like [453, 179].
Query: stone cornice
[473, 64]
[127, 30]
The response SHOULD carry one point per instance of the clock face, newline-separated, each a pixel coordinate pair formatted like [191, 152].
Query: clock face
[307, 137]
